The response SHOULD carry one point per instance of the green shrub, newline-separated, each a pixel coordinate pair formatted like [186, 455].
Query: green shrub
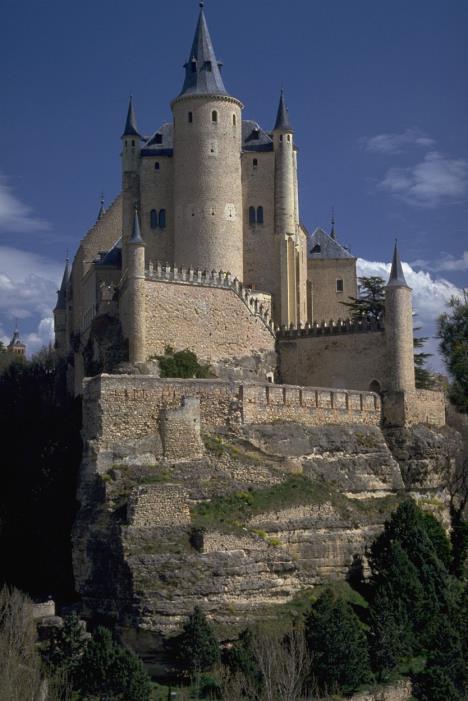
[183, 364]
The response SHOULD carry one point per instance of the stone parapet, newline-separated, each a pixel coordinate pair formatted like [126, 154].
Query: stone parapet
[329, 328]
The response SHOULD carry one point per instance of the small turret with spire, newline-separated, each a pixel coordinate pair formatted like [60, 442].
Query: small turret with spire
[102, 209]
[332, 230]
[136, 293]
[282, 122]
[131, 139]
[16, 345]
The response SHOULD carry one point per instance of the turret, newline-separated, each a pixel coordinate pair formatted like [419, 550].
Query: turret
[61, 312]
[131, 147]
[286, 215]
[16, 345]
[135, 293]
[399, 328]
[207, 166]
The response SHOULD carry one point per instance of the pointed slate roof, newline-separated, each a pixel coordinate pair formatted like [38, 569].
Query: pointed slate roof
[62, 292]
[397, 277]
[102, 209]
[202, 70]
[135, 238]
[131, 128]
[15, 339]
[282, 117]
[322, 246]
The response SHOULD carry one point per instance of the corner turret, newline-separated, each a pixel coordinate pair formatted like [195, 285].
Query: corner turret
[61, 312]
[16, 345]
[131, 141]
[135, 293]
[399, 328]
[131, 148]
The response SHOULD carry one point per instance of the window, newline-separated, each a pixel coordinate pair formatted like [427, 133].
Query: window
[339, 285]
[255, 162]
[162, 218]
[252, 217]
[190, 117]
[133, 142]
[259, 215]
[156, 165]
[208, 66]
[316, 249]
[154, 219]
[289, 137]
[214, 116]
[158, 139]
[234, 120]
[374, 386]
[281, 137]
[194, 66]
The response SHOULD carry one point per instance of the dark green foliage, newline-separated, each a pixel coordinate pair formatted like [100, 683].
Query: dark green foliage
[41, 452]
[109, 671]
[338, 645]
[434, 684]
[453, 334]
[424, 378]
[196, 647]
[445, 674]
[459, 539]
[241, 657]
[438, 538]
[106, 347]
[67, 646]
[371, 301]
[181, 364]
[390, 638]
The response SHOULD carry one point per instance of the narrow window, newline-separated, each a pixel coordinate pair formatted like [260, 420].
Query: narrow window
[316, 249]
[259, 215]
[339, 285]
[194, 66]
[190, 117]
[252, 217]
[133, 142]
[208, 66]
[156, 165]
[158, 139]
[154, 219]
[289, 137]
[281, 137]
[214, 116]
[162, 218]
[255, 162]
[234, 120]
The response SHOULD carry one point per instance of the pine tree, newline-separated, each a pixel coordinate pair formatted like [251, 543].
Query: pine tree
[371, 301]
[389, 638]
[197, 647]
[338, 645]
[438, 538]
[453, 334]
[67, 645]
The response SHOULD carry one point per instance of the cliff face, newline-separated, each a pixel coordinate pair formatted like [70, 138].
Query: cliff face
[263, 512]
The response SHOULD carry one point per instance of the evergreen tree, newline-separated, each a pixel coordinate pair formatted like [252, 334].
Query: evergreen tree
[390, 641]
[371, 301]
[438, 538]
[338, 645]
[67, 645]
[453, 334]
[424, 378]
[196, 647]
[444, 676]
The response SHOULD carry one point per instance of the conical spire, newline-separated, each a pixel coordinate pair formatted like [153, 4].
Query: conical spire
[397, 278]
[131, 128]
[62, 292]
[282, 118]
[135, 238]
[332, 231]
[102, 209]
[202, 70]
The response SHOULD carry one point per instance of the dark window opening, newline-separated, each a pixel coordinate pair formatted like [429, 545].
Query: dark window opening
[252, 216]
[208, 65]
[162, 218]
[154, 219]
[374, 386]
[339, 285]
[259, 215]
[190, 117]
[156, 165]
[281, 137]
[255, 162]
[158, 139]
[234, 120]
[194, 66]
[133, 142]
[214, 116]
[289, 137]
[256, 134]
[316, 249]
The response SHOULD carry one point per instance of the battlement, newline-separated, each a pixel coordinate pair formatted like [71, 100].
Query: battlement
[204, 278]
[332, 327]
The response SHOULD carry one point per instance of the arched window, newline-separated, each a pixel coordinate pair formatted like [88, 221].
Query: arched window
[259, 215]
[162, 218]
[374, 386]
[289, 137]
[234, 120]
[190, 117]
[252, 217]
[214, 116]
[316, 249]
[154, 219]
[156, 165]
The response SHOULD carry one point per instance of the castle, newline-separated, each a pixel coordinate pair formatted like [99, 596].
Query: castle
[204, 249]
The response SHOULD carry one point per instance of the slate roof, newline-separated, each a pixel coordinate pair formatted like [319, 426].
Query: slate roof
[62, 292]
[202, 70]
[131, 128]
[160, 143]
[113, 257]
[254, 138]
[282, 117]
[397, 277]
[135, 238]
[328, 247]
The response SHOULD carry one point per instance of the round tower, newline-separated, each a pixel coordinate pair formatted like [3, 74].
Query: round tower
[135, 295]
[399, 329]
[207, 165]
[286, 212]
[131, 147]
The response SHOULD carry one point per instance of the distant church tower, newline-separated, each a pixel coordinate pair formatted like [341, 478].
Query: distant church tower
[16, 345]
[207, 165]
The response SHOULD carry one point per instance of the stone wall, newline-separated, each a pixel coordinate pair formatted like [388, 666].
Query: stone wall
[420, 406]
[160, 505]
[180, 431]
[348, 358]
[117, 408]
[324, 300]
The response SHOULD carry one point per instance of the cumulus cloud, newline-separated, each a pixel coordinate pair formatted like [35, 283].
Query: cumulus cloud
[28, 286]
[16, 216]
[430, 298]
[435, 180]
[396, 143]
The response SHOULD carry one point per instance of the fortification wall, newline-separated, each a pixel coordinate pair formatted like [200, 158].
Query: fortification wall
[118, 408]
[350, 359]
[420, 406]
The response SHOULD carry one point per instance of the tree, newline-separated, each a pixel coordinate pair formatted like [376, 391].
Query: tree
[67, 645]
[110, 672]
[196, 647]
[438, 538]
[371, 301]
[424, 378]
[453, 335]
[338, 644]
[182, 363]
[388, 637]
[445, 675]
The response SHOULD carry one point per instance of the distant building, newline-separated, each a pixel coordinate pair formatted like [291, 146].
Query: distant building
[16, 345]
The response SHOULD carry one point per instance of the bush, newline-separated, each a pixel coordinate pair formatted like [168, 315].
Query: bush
[196, 647]
[182, 364]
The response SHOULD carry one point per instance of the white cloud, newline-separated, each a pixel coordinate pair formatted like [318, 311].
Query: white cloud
[395, 143]
[430, 297]
[28, 286]
[450, 263]
[16, 216]
[435, 180]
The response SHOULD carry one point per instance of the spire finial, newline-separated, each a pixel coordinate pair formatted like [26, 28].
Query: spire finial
[397, 277]
[332, 232]
[102, 209]
[131, 128]
[282, 116]
[202, 4]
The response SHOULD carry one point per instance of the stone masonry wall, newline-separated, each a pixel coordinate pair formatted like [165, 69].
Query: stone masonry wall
[421, 406]
[158, 505]
[124, 407]
[180, 431]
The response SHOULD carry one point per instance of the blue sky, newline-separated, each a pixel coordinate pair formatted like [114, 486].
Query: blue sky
[376, 92]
